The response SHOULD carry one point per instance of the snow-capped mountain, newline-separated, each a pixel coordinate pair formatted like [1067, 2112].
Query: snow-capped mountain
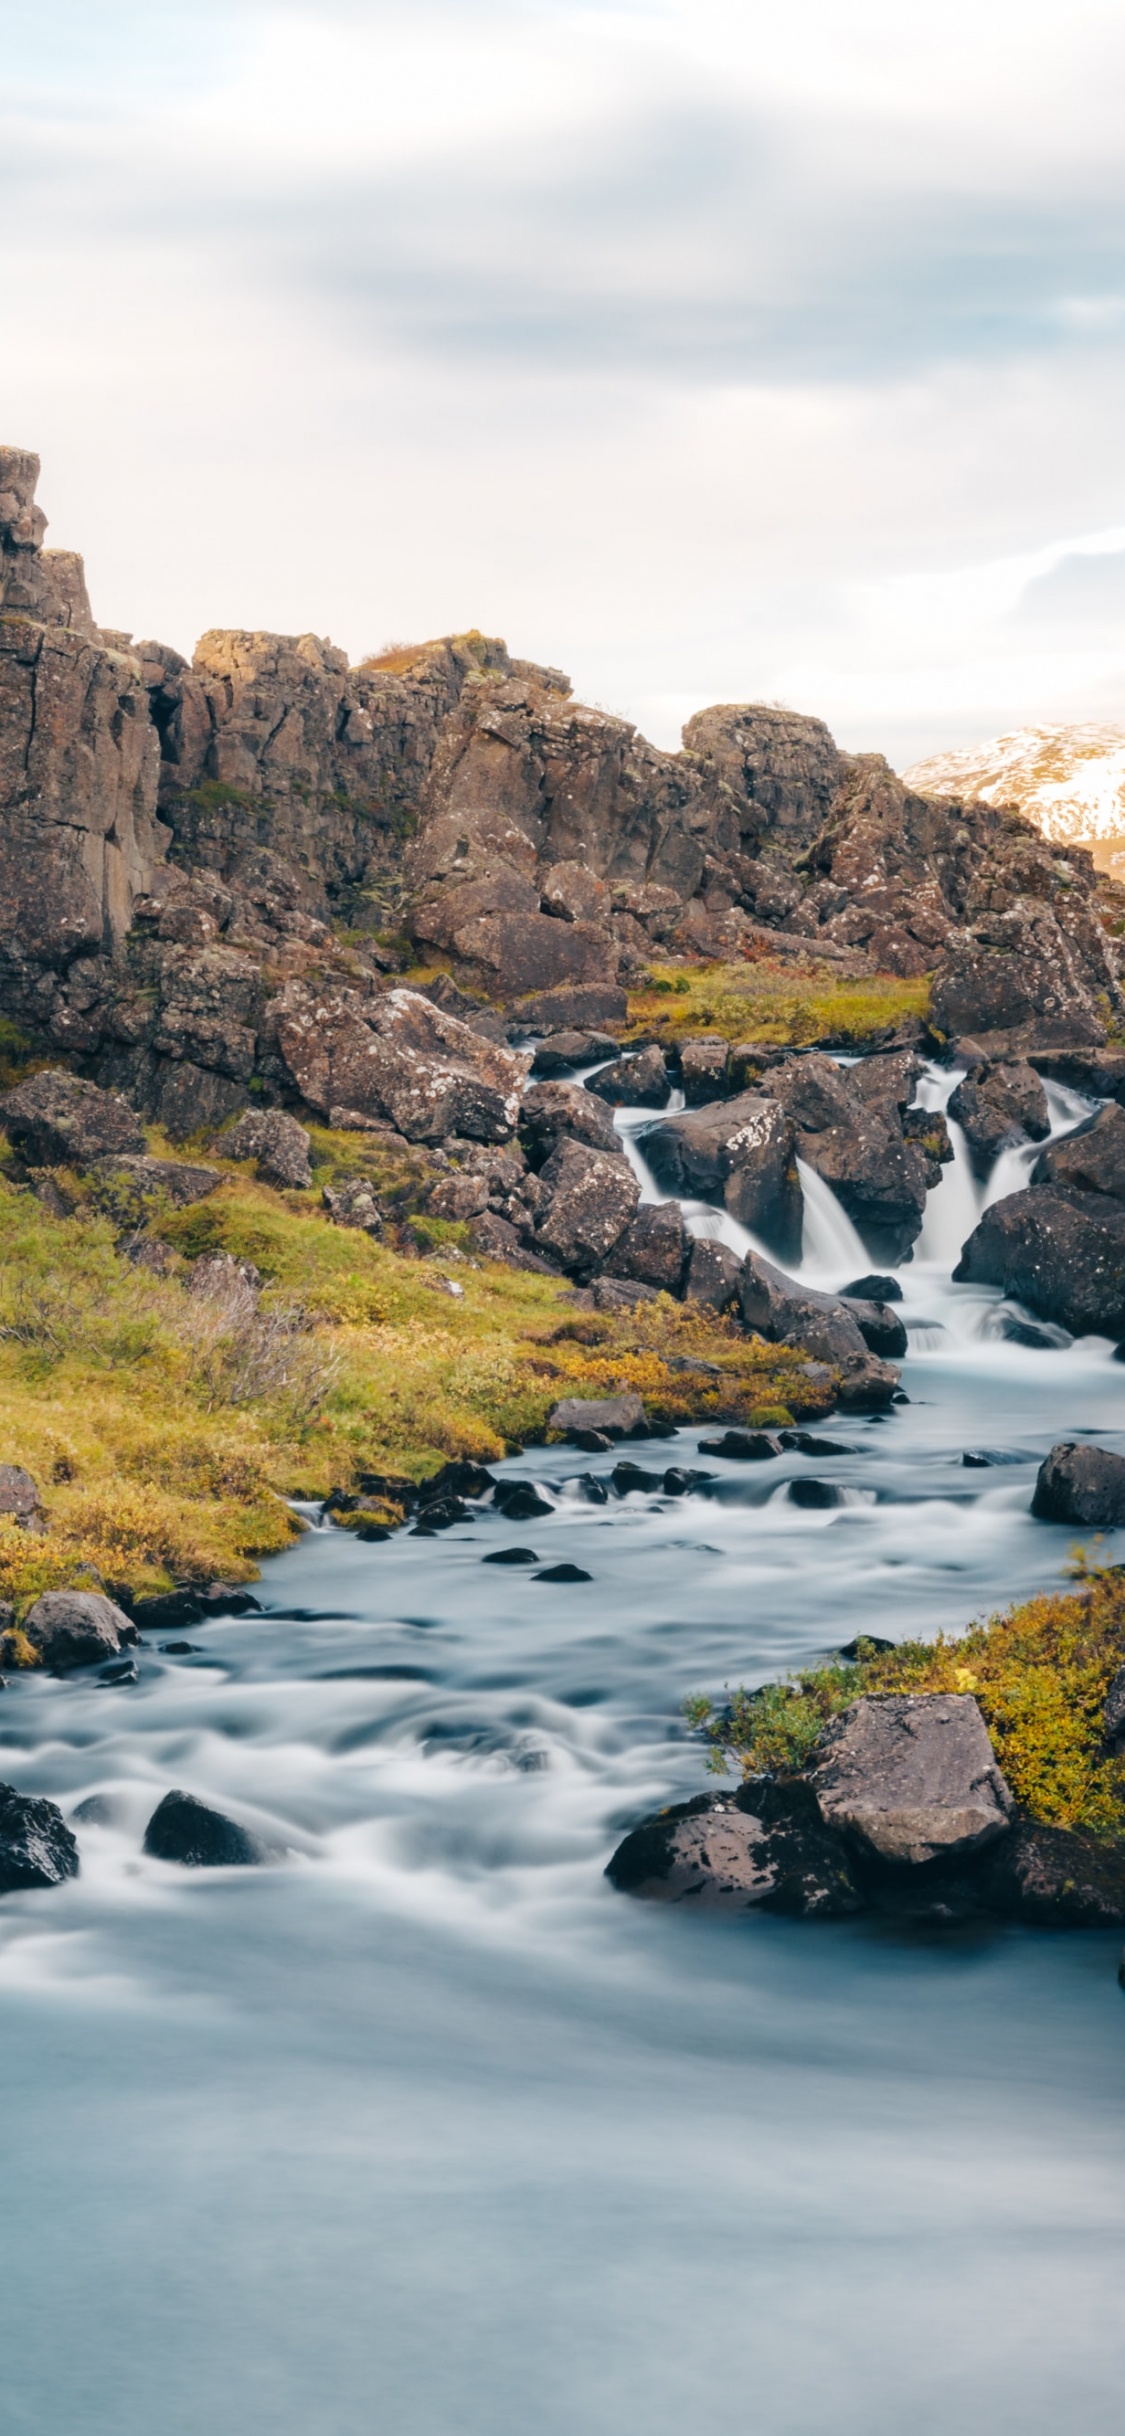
[1069, 780]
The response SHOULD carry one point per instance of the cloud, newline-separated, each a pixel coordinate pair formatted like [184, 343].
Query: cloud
[715, 350]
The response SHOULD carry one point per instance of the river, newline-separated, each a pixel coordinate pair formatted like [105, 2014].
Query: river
[425, 2130]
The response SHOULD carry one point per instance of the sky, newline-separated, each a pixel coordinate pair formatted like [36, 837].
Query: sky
[713, 350]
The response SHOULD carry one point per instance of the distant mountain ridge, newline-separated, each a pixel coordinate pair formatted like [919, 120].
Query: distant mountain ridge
[1069, 780]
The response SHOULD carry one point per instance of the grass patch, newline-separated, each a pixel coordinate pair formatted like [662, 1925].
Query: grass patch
[1040, 1674]
[166, 1430]
[769, 1002]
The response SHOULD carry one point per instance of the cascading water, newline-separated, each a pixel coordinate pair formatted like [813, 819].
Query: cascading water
[422, 2126]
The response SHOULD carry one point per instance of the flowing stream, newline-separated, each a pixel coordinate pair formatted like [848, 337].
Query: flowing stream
[426, 2130]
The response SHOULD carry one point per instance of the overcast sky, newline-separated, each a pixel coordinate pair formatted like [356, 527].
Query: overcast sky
[712, 349]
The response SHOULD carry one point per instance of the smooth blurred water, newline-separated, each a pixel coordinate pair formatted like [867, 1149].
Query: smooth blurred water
[425, 2129]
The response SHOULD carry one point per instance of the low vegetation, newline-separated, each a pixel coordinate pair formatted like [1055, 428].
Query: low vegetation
[168, 1428]
[1040, 1674]
[771, 1002]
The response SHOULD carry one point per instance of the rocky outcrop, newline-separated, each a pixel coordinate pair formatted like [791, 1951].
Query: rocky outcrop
[276, 1142]
[592, 1198]
[56, 1120]
[764, 1848]
[37, 1847]
[399, 1057]
[1081, 1484]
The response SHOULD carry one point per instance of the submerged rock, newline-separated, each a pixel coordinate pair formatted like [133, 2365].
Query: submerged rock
[1081, 1484]
[36, 1845]
[186, 1830]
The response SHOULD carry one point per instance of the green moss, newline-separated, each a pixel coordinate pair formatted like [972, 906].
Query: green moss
[1040, 1675]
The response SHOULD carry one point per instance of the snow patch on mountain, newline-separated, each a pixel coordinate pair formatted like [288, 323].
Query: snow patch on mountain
[1069, 780]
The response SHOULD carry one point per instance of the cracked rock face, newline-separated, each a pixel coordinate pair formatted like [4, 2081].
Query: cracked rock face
[911, 1778]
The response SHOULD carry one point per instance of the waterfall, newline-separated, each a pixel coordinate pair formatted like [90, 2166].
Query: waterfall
[830, 1246]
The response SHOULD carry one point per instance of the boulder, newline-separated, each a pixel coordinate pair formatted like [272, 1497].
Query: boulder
[593, 1197]
[911, 1778]
[633, 1082]
[57, 1120]
[354, 1204]
[713, 1274]
[765, 1848]
[1059, 1251]
[1055, 1877]
[1099, 1072]
[742, 1445]
[552, 1112]
[36, 1845]
[574, 893]
[1113, 1715]
[127, 1186]
[561, 1052]
[1089, 1160]
[653, 1249]
[704, 1069]
[458, 1197]
[881, 1328]
[521, 952]
[610, 1416]
[276, 1141]
[739, 1152]
[998, 1105]
[1081, 1484]
[590, 1002]
[20, 1498]
[784, 1312]
[989, 989]
[72, 1628]
[874, 1288]
[855, 1142]
[401, 1058]
[186, 1830]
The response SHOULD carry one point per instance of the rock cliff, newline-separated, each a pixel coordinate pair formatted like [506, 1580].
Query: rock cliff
[205, 870]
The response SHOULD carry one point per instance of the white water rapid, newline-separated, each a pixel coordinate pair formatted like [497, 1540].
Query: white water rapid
[424, 2129]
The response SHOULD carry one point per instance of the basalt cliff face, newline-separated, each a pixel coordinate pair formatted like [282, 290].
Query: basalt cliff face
[207, 872]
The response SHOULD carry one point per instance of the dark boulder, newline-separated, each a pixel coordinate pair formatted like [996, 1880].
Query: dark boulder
[611, 1416]
[565, 1572]
[1055, 1877]
[186, 1830]
[1059, 1251]
[36, 1845]
[785, 1313]
[873, 1289]
[881, 1329]
[632, 1082]
[20, 1498]
[911, 1778]
[1081, 1484]
[739, 1152]
[1113, 1715]
[519, 1500]
[276, 1141]
[574, 1007]
[713, 1274]
[814, 1495]
[56, 1120]
[983, 989]
[997, 1106]
[1089, 1160]
[72, 1628]
[553, 1112]
[854, 1140]
[704, 1070]
[127, 1186]
[1099, 1072]
[561, 1052]
[742, 1445]
[510, 1556]
[592, 1199]
[653, 1249]
[765, 1849]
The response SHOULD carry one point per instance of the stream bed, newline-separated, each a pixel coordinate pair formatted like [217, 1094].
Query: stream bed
[426, 2130]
